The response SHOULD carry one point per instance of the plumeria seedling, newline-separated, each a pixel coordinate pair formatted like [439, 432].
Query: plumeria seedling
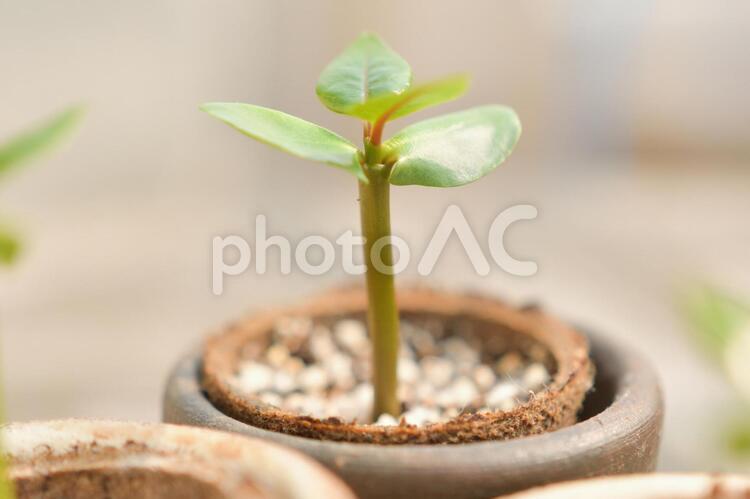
[372, 83]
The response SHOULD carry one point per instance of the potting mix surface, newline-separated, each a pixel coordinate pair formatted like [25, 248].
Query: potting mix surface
[324, 371]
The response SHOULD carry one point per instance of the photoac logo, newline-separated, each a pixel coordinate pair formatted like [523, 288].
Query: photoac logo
[453, 221]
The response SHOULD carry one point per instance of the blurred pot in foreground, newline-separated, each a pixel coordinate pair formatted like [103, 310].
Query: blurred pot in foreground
[89, 459]
[656, 486]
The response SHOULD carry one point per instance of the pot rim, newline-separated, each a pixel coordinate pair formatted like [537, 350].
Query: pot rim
[227, 461]
[637, 407]
[687, 485]
[552, 408]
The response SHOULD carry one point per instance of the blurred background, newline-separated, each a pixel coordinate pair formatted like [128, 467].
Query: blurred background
[636, 151]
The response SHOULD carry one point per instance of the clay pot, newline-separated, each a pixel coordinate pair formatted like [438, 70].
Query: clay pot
[655, 486]
[473, 455]
[90, 459]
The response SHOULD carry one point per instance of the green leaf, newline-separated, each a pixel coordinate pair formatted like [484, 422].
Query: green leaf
[9, 248]
[715, 317]
[412, 100]
[453, 149]
[288, 133]
[367, 69]
[33, 142]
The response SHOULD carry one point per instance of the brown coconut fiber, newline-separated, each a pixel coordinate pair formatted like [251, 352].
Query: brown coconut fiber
[498, 325]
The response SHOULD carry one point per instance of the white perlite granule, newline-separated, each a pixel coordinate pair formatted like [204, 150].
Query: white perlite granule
[324, 372]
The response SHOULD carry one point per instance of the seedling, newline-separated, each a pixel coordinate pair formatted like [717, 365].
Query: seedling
[20, 150]
[13, 154]
[372, 83]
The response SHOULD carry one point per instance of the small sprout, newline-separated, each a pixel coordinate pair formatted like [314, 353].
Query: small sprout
[371, 82]
[23, 148]
[368, 69]
[26, 146]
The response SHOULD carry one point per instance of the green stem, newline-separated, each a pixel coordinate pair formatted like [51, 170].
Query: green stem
[382, 313]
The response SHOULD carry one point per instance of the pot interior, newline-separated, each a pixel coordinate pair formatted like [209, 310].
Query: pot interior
[109, 459]
[493, 339]
[114, 483]
[489, 340]
[605, 387]
[474, 369]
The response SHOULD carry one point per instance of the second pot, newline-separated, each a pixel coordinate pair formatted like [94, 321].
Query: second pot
[85, 459]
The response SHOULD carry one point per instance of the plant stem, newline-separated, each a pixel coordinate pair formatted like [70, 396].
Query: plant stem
[382, 313]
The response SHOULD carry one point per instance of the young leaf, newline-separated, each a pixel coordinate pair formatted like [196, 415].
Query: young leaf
[9, 248]
[390, 107]
[453, 149]
[33, 142]
[288, 133]
[367, 69]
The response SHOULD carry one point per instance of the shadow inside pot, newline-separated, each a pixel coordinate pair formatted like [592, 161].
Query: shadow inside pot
[602, 393]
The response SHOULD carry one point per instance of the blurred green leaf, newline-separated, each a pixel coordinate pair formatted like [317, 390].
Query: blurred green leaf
[413, 99]
[367, 69]
[288, 133]
[453, 149]
[9, 248]
[715, 317]
[33, 142]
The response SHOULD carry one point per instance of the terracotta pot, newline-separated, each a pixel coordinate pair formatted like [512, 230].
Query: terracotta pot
[619, 433]
[654, 486]
[89, 459]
